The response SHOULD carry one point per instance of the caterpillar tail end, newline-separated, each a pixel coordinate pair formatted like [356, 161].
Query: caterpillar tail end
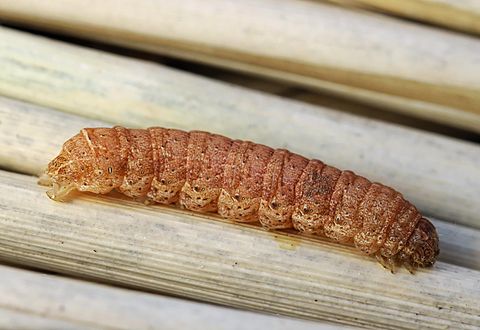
[422, 247]
[421, 250]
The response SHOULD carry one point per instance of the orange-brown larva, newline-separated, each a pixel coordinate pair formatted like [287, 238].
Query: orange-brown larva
[246, 182]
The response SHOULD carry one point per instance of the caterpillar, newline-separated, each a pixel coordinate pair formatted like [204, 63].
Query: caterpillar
[246, 182]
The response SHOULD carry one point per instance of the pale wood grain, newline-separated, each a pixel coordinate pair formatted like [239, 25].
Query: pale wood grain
[399, 65]
[30, 300]
[461, 15]
[31, 136]
[12, 319]
[439, 175]
[29, 154]
[327, 100]
[459, 245]
[206, 258]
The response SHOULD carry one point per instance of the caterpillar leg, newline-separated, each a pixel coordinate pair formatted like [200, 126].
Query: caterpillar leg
[237, 207]
[410, 267]
[275, 215]
[387, 263]
[391, 263]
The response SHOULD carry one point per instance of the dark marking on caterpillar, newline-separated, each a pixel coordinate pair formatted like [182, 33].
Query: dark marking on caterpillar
[246, 182]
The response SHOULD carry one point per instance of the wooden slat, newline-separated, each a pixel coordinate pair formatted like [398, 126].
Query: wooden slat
[23, 153]
[439, 175]
[459, 15]
[402, 66]
[337, 103]
[206, 258]
[12, 319]
[459, 245]
[372, 111]
[30, 300]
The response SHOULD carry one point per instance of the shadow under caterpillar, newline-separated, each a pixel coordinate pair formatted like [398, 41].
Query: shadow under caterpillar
[246, 182]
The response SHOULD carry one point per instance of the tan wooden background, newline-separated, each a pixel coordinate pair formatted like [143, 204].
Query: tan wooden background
[389, 91]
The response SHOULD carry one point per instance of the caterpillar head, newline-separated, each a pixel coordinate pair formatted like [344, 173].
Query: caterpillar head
[422, 246]
[89, 161]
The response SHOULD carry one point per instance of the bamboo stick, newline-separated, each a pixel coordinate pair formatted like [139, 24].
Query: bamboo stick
[11, 319]
[337, 103]
[459, 15]
[201, 257]
[439, 175]
[399, 65]
[30, 300]
[21, 153]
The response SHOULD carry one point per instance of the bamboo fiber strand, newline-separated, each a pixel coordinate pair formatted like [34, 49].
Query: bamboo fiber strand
[459, 245]
[170, 251]
[459, 15]
[439, 175]
[409, 68]
[30, 300]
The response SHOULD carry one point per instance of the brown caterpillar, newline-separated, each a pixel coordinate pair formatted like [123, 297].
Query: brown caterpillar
[246, 182]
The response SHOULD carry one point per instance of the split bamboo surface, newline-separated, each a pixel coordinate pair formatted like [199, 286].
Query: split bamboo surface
[437, 174]
[161, 249]
[167, 250]
[398, 65]
[115, 240]
[327, 100]
[30, 300]
[459, 15]
[49, 90]
[27, 153]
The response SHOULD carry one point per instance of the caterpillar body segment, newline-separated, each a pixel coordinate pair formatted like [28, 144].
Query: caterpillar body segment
[246, 182]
